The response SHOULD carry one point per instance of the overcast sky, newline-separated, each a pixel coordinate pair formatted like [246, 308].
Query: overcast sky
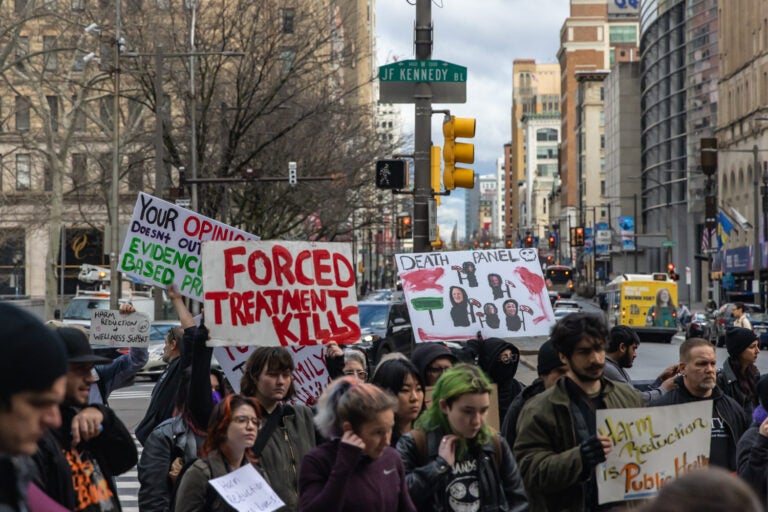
[485, 36]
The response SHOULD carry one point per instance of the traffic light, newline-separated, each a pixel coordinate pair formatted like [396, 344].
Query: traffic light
[458, 152]
[552, 242]
[475, 244]
[509, 244]
[487, 244]
[434, 167]
[577, 237]
[529, 241]
[671, 272]
[404, 228]
[709, 156]
[292, 177]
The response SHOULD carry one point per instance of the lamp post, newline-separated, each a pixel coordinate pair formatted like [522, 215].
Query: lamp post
[114, 281]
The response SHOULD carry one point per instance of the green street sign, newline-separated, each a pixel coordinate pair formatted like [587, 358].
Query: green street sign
[422, 71]
[669, 243]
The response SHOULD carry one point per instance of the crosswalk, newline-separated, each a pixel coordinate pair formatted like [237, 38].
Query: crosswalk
[136, 391]
[128, 483]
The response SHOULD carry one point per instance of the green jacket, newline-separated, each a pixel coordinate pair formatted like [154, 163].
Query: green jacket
[547, 446]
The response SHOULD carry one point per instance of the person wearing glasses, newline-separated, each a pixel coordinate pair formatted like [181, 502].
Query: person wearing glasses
[232, 431]
[432, 359]
[356, 469]
[355, 364]
[499, 360]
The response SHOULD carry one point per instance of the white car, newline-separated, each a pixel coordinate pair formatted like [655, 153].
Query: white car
[567, 304]
[563, 312]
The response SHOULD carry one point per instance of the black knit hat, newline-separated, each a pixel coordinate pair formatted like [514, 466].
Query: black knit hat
[737, 339]
[78, 348]
[549, 359]
[32, 356]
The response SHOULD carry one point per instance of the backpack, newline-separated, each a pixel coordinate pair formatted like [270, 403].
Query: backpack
[420, 441]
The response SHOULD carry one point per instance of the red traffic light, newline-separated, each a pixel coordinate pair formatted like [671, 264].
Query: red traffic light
[670, 267]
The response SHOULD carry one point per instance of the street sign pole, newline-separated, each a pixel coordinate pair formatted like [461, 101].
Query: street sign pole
[422, 132]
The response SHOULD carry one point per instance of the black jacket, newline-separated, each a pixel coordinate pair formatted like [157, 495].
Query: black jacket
[501, 489]
[113, 449]
[728, 381]
[732, 413]
[509, 421]
[487, 353]
[752, 461]
[14, 478]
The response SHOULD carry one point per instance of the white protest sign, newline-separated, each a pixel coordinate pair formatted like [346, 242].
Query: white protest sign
[453, 295]
[247, 491]
[310, 376]
[279, 293]
[111, 327]
[163, 244]
[650, 447]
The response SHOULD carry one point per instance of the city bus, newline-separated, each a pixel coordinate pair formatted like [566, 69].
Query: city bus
[645, 302]
[559, 279]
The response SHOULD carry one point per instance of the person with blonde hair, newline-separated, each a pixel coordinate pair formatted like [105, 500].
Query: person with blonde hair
[356, 469]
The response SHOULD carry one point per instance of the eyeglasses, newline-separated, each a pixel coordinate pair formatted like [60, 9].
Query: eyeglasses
[437, 370]
[360, 374]
[244, 420]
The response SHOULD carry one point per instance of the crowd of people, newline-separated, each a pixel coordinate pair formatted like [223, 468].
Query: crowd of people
[406, 434]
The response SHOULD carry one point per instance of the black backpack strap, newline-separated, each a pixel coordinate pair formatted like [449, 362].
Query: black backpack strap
[266, 432]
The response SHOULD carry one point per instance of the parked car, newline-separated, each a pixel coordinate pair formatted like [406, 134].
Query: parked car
[157, 333]
[759, 323]
[699, 326]
[724, 319]
[385, 327]
[563, 312]
[567, 304]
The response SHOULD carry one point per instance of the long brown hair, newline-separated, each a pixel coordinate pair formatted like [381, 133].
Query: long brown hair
[221, 417]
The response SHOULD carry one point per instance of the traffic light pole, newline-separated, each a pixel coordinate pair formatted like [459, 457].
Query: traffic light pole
[422, 132]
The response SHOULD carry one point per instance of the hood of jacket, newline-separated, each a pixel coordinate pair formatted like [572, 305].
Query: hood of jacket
[488, 351]
[425, 353]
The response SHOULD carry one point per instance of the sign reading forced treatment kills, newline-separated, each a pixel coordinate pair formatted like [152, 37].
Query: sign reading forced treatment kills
[163, 244]
[279, 293]
[453, 295]
[651, 446]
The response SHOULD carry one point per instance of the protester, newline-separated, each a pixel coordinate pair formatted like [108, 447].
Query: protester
[557, 443]
[356, 469]
[499, 360]
[432, 359]
[705, 490]
[31, 389]
[232, 431]
[738, 378]
[401, 378]
[621, 352]
[550, 369]
[76, 462]
[453, 459]
[740, 316]
[288, 432]
[697, 382]
[355, 364]
[752, 449]
[161, 405]
[683, 315]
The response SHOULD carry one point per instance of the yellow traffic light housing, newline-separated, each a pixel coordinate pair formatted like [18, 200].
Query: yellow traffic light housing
[434, 166]
[458, 152]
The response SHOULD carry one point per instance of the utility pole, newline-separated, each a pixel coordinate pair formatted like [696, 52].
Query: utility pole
[114, 210]
[422, 132]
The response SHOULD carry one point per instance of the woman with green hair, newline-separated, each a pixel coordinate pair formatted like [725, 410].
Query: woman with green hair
[453, 460]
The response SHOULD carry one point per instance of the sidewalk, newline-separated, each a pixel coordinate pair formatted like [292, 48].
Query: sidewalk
[529, 350]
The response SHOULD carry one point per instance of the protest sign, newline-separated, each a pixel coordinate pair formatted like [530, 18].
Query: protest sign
[279, 293]
[453, 295]
[651, 446]
[163, 244]
[310, 376]
[246, 490]
[111, 327]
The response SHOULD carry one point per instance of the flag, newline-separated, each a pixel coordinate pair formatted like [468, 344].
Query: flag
[724, 228]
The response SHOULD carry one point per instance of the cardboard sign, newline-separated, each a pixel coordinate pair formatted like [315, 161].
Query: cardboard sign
[310, 376]
[163, 244]
[279, 293]
[246, 491]
[111, 327]
[453, 295]
[651, 446]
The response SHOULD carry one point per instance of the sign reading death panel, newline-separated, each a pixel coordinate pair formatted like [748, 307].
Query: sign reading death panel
[453, 295]
[163, 244]
[279, 293]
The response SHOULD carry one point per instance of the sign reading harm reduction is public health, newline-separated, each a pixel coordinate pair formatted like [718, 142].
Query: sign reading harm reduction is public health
[163, 244]
[286, 293]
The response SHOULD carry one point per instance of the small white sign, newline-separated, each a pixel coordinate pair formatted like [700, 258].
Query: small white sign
[247, 491]
[604, 237]
[687, 275]
[111, 327]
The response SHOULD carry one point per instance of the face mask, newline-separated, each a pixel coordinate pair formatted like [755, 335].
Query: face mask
[216, 396]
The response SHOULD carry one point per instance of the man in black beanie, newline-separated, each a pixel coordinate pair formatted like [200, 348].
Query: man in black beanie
[738, 378]
[550, 368]
[752, 449]
[76, 463]
[32, 383]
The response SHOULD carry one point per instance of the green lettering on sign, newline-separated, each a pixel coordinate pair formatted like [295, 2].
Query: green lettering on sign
[422, 71]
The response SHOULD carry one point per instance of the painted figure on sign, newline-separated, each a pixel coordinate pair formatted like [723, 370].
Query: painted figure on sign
[459, 307]
[469, 269]
[491, 315]
[511, 310]
[664, 312]
[495, 282]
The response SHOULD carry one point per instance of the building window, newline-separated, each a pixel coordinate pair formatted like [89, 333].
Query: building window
[602, 188]
[287, 58]
[77, 5]
[22, 51]
[53, 108]
[546, 135]
[79, 170]
[288, 16]
[106, 108]
[50, 56]
[622, 34]
[22, 113]
[47, 179]
[602, 141]
[23, 175]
